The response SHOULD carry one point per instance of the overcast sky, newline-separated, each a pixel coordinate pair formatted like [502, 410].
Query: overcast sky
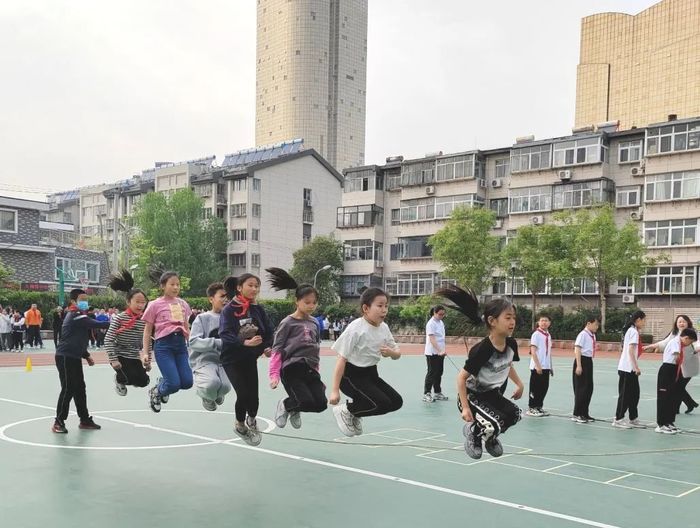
[94, 91]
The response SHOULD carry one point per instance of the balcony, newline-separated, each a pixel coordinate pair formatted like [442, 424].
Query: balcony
[58, 238]
[109, 224]
[221, 199]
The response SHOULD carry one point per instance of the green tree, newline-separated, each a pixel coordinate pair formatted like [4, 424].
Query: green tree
[6, 272]
[467, 249]
[602, 251]
[173, 233]
[539, 255]
[321, 251]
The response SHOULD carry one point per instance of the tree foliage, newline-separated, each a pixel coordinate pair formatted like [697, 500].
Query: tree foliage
[320, 252]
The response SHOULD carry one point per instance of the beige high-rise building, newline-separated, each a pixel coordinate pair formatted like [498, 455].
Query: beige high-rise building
[640, 69]
[311, 76]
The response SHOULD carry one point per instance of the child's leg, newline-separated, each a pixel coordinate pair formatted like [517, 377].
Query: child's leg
[493, 413]
[392, 400]
[535, 400]
[165, 359]
[665, 412]
[429, 375]
[65, 396]
[437, 377]
[546, 374]
[371, 395]
[182, 363]
[132, 372]
[75, 382]
[633, 383]
[305, 389]
[622, 396]
[206, 381]
[224, 383]
[238, 381]
[244, 377]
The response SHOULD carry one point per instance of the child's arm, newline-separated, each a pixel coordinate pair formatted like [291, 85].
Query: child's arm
[535, 359]
[632, 351]
[463, 398]
[146, 350]
[275, 368]
[390, 348]
[513, 376]
[110, 344]
[198, 341]
[577, 353]
[337, 376]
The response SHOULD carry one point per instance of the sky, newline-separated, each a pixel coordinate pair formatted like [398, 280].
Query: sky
[94, 91]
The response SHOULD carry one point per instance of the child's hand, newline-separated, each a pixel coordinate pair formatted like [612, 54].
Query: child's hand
[90, 361]
[335, 398]
[518, 392]
[253, 341]
[274, 383]
[116, 365]
[579, 371]
[637, 371]
[538, 370]
[268, 352]
[467, 414]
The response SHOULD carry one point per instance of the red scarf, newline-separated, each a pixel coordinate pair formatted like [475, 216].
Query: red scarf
[546, 341]
[244, 303]
[133, 318]
[592, 335]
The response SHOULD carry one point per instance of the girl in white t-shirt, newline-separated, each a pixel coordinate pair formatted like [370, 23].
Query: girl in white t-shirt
[434, 355]
[360, 347]
[628, 372]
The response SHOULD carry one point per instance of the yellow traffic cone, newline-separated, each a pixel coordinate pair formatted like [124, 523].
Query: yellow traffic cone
[28, 365]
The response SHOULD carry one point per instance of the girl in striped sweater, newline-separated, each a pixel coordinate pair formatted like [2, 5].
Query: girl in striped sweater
[124, 339]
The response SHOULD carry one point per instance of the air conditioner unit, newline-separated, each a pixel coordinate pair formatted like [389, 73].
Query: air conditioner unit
[430, 189]
[628, 298]
[537, 220]
[637, 171]
[564, 175]
[499, 224]
[496, 183]
[637, 215]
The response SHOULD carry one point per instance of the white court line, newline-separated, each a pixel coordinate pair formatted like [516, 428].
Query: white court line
[618, 478]
[556, 467]
[400, 480]
[687, 492]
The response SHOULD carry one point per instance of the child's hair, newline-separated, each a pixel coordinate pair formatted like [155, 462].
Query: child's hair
[592, 319]
[691, 333]
[543, 315]
[124, 282]
[369, 295]
[466, 302]
[214, 287]
[281, 280]
[75, 293]
[165, 277]
[674, 330]
[638, 314]
[231, 283]
[435, 309]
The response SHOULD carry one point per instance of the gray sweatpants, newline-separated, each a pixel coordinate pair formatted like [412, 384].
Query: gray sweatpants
[211, 381]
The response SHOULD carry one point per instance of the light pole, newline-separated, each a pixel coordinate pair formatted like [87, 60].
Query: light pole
[324, 268]
[513, 265]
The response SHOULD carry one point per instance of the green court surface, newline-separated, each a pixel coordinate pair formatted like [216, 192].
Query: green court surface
[185, 467]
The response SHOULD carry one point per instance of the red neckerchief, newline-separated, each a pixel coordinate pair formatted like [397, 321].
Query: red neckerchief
[244, 303]
[680, 360]
[592, 336]
[133, 318]
[546, 341]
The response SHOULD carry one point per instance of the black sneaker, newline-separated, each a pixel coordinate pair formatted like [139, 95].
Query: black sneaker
[691, 409]
[472, 443]
[89, 425]
[59, 427]
[154, 399]
[493, 446]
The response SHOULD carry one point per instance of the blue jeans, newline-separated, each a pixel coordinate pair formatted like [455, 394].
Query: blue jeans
[173, 362]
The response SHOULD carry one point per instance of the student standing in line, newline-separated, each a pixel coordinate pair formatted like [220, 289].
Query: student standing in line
[434, 355]
[628, 372]
[584, 352]
[667, 380]
[541, 367]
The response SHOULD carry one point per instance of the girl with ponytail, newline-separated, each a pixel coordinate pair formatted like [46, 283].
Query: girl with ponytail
[490, 363]
[296, 354]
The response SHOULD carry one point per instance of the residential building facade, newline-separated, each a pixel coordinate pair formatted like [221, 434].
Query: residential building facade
[311, 76]
[639, 69]
[651, 175]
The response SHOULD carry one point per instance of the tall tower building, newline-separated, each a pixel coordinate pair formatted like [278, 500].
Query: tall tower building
[311, 76]
[639, 69]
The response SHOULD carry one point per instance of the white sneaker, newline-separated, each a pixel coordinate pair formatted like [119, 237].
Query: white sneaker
[428, 398]
[621, 423]
[344, 419]
[536, 413]
[209, 405]
[120, 388]
[295, 420]
[543, 412]
[665, 429]
[254, 436]
[281, 415]
[637, 424]
[439, 396]
[579, 419]
[677, 429]
[357, 424]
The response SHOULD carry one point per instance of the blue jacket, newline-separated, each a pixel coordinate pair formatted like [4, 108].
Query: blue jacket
[232, 347]
[75, 334]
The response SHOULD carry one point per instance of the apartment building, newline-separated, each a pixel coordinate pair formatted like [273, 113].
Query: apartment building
[652, 175]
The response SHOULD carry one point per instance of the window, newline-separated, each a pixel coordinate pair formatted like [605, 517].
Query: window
[417, 210]
[444, 205]
[256, 184]
[499, 286]
[306, 234]
[519, 287]
[455, 168]
[238, 234]
[583, 194]
[665, 233]
[412, 284]
[673, 186]
[238, 210]
[364, 249]
[421, 173]
[75, 269]
[393, 179]
[500, 207]
[629, 151]
[395, 216]
[530, 158]
[8, 220]
[352, 284]
[579, 151]
[256, 210]
[502, 168]
[238, 260]
[360, 216]
[363, 180]
[530, 199]
[572, 286]
[673, 138]
[307, 197]
[239, 185]
[628, 196]
[411, 248]
[255, 260]
[625, 286]
[667, 279]
[255, 234]
[436, 208]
